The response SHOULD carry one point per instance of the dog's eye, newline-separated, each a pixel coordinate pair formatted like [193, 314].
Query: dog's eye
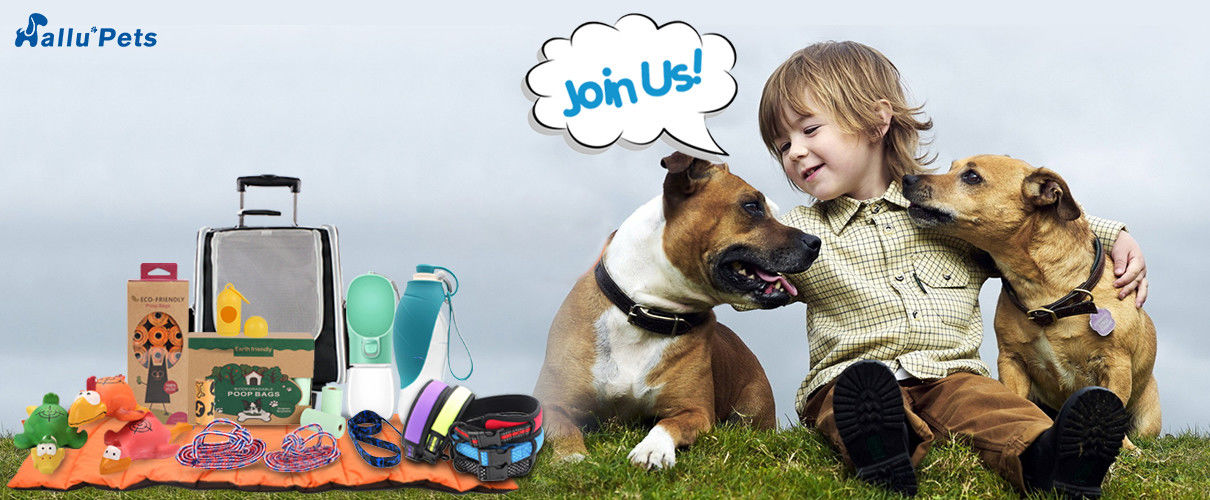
[971, 177]
[754, 209]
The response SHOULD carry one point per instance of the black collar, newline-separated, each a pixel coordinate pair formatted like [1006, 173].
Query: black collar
[1078, 301]
[653, 320]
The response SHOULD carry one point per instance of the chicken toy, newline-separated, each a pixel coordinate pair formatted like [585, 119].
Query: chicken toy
[47, 430]
[110, 396]
[138, 440]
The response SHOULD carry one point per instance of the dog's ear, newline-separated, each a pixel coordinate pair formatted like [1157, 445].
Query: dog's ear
[686, 174]
[1044, 188]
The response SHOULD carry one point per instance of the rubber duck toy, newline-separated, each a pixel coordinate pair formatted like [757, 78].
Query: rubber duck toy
[138, 440]
[110, 396]
[47, 430]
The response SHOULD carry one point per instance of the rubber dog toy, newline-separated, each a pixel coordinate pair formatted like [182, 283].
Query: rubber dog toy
[138, 440]
[256, 326]
[110, 396]
[47, 430]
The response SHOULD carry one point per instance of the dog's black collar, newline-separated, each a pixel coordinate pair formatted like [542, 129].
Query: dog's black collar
[653, 320]
[1078, 301]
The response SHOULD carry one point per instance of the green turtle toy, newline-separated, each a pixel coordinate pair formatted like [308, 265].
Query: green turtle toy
[46, 429]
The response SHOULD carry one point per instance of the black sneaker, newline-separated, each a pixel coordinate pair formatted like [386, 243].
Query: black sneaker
[869, 417]
[1073, 456]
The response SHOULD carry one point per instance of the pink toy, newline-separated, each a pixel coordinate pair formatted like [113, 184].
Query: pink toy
[141, 439]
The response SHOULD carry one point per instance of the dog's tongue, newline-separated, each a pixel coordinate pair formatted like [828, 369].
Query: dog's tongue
[774, 278]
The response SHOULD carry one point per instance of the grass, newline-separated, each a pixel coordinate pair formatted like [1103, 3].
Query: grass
[732, 462]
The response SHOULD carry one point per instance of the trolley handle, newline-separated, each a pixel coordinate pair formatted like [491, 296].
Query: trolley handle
[266, 180]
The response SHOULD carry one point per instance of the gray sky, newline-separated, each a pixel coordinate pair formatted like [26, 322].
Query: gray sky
[409, 129]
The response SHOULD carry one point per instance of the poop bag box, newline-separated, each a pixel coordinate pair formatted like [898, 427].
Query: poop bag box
[157, 315]
[251, 380]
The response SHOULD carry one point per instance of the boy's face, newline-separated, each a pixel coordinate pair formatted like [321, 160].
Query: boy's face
[825, 162]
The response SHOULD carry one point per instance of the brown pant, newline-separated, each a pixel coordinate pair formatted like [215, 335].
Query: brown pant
[998, 423]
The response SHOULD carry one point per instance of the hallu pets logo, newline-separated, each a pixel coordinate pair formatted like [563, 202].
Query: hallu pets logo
[70, 37]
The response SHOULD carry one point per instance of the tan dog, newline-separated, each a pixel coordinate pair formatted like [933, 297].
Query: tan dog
[709, 239]
[1027, 220]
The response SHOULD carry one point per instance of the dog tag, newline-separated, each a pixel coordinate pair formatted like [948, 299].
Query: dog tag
[1102, 322]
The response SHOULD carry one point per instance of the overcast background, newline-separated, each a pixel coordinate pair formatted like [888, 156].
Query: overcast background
[409, 129]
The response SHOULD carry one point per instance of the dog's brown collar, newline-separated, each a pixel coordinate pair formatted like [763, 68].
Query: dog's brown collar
[652, 320]
[1078, 301]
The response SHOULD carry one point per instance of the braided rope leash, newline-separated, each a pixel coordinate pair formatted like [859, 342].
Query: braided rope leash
[297, 456]
[238, 450]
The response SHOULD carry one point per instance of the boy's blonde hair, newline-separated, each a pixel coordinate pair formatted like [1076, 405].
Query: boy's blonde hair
[847, 79]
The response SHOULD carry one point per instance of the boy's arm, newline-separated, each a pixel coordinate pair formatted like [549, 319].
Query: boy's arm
[1128, 263]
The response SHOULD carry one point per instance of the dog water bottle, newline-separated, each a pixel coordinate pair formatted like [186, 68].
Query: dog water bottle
[370, 316]
[421, 331]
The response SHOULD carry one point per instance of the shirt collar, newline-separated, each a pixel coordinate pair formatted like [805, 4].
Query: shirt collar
[840, 211]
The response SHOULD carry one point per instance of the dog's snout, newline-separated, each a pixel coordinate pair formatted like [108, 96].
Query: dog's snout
[909, 180]
[810, 242]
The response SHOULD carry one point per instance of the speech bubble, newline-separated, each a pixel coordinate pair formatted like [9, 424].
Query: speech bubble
[633, 81]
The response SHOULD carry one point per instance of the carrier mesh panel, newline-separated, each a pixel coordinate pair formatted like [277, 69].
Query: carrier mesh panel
[277, 270]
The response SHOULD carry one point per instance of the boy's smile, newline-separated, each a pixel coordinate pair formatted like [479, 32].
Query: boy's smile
[826, 162]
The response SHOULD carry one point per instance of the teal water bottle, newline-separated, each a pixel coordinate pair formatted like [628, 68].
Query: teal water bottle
[420, 329]
[370, 315]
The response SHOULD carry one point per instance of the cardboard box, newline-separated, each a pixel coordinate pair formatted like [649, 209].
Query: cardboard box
[157, 315]
[250, 380]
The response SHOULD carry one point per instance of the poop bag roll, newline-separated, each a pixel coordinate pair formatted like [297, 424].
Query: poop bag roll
[331, 400]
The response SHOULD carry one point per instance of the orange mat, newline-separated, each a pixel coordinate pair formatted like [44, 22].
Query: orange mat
[80, 468]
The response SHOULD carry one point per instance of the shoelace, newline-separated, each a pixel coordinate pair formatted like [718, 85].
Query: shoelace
[239, 450]
[362, 428]
[296, 456]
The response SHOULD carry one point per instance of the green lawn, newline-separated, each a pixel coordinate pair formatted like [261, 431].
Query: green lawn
[733, 462]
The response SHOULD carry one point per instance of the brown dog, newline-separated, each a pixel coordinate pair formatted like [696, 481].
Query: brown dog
[1027, 220]
[709, 239]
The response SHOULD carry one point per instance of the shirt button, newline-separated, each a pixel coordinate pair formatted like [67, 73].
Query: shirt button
[947, 276]
[877, 209]
[887, 227]
[899, 278]
[914, 313]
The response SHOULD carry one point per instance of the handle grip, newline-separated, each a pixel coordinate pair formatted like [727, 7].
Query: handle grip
[268, 180]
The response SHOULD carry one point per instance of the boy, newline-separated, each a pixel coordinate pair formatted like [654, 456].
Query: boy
[893, 320]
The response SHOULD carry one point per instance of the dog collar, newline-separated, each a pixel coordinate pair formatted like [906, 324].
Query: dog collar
[1078, 301]
[497, 463]
[652, 320]
[430, 418]
[362, 428]
[498, 436]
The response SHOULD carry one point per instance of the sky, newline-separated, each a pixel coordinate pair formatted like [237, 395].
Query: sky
[410, 130]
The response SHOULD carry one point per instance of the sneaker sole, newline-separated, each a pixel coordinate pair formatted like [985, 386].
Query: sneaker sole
[868, 408]
[1091, 435]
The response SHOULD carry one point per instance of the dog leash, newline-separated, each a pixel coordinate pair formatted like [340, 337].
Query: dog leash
[362, 428]
[239, 449]
[296, 456]
[1064, 307]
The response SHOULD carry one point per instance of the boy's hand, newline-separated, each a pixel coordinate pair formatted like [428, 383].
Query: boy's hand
[1130, 269]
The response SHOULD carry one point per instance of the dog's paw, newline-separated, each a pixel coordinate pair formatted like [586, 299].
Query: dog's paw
[656, 451]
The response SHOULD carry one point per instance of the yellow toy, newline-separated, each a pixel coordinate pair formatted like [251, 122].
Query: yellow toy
[228, 305]
[256, 326]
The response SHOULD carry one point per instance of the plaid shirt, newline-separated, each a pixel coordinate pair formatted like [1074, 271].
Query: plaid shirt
[883, 288]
